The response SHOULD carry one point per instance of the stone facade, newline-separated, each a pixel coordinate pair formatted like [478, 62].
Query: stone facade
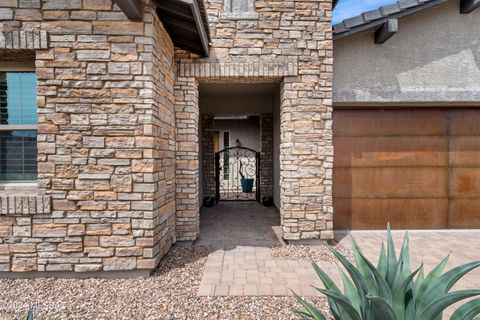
[106, 146]
[291, 43]
[187, 160]
[118, 126]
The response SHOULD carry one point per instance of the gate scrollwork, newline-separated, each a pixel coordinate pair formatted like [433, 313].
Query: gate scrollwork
[237, 174]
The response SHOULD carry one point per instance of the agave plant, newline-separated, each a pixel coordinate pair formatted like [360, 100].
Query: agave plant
[392, 291]
[29, 315]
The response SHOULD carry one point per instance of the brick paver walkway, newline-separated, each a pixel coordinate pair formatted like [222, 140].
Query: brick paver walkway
[242, 234]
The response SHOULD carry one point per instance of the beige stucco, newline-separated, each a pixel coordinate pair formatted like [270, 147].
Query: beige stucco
[433, 59]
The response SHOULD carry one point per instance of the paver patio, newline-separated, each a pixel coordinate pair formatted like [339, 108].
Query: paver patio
[242, 264]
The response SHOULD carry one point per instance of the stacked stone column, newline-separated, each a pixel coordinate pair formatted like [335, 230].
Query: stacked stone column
[187, 158]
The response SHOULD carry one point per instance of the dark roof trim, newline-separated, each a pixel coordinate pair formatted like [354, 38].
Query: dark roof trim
[376, 18]
[131, 8]
[203, 12]
[199, 21]
[186, 23]
[335, 2]
[467, 6]
[385, 32]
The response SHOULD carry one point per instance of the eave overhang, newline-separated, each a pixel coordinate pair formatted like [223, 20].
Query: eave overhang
[186, 23]
[378, 18]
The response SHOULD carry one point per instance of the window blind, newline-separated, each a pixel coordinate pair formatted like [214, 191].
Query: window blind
[18, 121]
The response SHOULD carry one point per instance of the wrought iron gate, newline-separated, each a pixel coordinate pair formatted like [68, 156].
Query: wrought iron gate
[237, 174]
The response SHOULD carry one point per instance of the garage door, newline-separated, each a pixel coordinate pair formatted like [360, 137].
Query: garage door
[414, 168]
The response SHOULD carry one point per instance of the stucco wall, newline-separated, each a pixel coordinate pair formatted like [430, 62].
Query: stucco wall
[434, 58]
[246, 131]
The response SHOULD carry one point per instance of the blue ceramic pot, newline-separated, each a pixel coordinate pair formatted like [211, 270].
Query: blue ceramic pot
[247, 185]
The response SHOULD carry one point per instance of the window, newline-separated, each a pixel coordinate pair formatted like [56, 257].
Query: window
[18, 126]
[239, 9]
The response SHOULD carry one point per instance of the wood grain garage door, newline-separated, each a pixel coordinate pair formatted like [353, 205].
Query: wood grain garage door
[413, 168]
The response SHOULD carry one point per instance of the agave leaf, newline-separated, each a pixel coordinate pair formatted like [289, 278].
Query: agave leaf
[352, 271]
[457, 273]
[468, 311]
[356, 278]
[304, 317]
[363, 268]
[399, 275]
[330, 285]
[327, 281]
[382, 286]
[350, 291]
[382, 262]
[381, 308]
[391, 258]
[406, 266]
[404, 286]
[304, 314]
[405, 255]
[410, 308]
[341, 300]
[438, 305]
[431, 277]
[309, 310]
[445, 282]
[29, 314]
[419, 280]
[399, 295]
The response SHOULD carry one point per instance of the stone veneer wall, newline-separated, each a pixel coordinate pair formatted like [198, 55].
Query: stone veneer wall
[208, 157]
[266, 155]
[106, 147]
[290, 42]
[187, 158]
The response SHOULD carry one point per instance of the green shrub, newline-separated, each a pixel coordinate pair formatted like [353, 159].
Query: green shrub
[391, 291]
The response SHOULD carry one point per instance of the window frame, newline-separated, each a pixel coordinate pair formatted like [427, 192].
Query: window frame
[228, 12]
[19, 67]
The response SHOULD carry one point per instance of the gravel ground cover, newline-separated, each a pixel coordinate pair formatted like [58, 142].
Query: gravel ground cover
[168, 294]
[318, 253]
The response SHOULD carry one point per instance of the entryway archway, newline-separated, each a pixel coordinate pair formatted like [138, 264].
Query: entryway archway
[237, 174]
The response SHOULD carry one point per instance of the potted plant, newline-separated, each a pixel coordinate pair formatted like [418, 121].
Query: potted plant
[247, 183]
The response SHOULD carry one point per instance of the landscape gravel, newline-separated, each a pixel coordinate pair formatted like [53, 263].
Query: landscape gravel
[318, 253]
[170, 293]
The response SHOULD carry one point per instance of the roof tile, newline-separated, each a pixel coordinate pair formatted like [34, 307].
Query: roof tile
[372, 15]
[340, 27]
[390, 9]
[405, 4]
[354, 21]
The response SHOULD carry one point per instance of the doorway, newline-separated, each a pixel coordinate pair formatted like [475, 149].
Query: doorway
[239, 151]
